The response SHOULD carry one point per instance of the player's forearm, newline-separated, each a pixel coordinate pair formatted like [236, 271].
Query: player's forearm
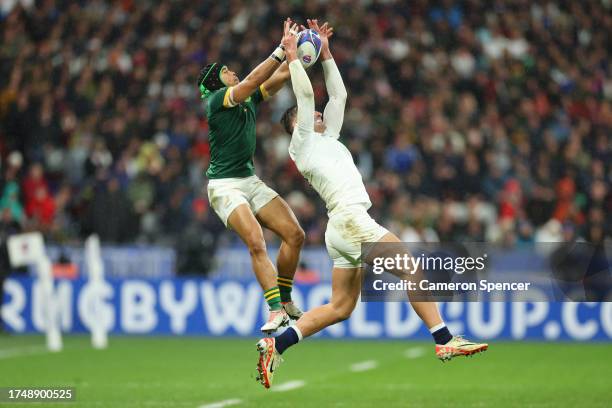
[325, 54]
[259, 75]
[300, 81]
[278, 79]
[304, 95]
[333, 80]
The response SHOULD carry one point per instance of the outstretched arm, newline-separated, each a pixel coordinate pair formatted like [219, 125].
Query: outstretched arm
[261, 73]
[333, 115]
[303, 91]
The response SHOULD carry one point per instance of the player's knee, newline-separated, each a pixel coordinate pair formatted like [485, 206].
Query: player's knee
[296, 236]
[343, 313]
[344, 310]
[256, 244]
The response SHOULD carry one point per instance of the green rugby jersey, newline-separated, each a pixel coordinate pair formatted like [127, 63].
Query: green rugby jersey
[232, 134]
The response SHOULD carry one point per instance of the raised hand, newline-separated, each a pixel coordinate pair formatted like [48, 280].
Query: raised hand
[289, 40]
[325, 32]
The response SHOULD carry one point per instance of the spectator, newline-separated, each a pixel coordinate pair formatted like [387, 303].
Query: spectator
[197, 244]
[9, 201]
[109, 214]
[40, 208]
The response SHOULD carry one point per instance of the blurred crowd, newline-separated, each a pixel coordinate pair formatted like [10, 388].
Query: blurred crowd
[469, 120]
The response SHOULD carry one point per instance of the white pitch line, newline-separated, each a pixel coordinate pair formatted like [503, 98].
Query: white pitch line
[414, 353]
[221, 404]
[22, 351]
[364, 366]
[289, 385]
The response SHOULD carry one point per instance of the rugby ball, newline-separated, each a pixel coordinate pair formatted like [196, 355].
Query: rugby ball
[308, 47]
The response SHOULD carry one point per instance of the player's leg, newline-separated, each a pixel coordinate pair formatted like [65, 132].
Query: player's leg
[278, 217]
[244, 223]
[346, 285]
[427, 311]
[246, 226]
[447, 345]
[228, 197]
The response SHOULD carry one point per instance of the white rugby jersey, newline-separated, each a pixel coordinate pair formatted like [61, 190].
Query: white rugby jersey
[321, 158]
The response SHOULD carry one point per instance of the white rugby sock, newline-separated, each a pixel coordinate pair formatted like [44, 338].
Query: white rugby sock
[437, 327]
[298, 332]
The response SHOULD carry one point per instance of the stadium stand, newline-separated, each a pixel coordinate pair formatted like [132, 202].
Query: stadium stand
[469, 120]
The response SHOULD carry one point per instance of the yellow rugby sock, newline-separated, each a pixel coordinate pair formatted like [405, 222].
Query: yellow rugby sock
[273, 298]
[285, 285]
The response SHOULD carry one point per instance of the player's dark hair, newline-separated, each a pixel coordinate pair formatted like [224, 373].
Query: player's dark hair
[210, 79]
[203, 72]
[288, 118]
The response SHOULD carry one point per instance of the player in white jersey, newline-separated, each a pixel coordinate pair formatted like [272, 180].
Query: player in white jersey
[327, 164]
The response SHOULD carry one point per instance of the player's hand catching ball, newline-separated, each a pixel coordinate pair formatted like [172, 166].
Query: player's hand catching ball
[325, 32]
[289, 41]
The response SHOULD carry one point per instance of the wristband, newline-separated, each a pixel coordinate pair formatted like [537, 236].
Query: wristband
[278, 54]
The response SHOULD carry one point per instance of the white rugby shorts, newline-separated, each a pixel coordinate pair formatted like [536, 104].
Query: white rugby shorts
[348, 227]
[226, 194]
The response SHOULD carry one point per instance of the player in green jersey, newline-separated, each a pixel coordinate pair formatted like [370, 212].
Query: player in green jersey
[237, 195]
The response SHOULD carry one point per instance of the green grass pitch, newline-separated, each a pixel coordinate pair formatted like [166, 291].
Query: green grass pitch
[193, 372]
